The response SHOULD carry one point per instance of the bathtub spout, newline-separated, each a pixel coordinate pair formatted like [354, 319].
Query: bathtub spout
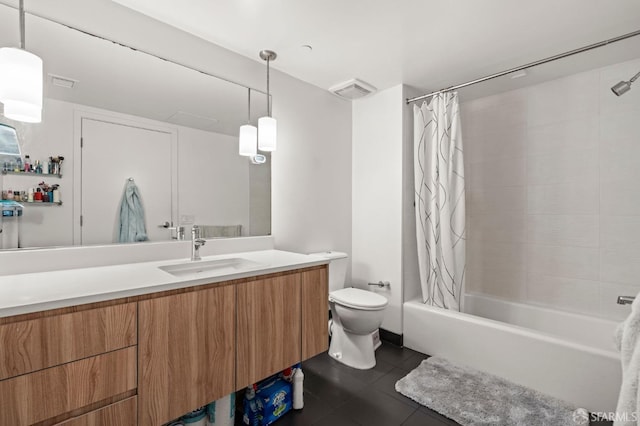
[625, 300]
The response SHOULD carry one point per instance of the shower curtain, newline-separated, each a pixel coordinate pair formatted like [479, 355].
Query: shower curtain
[439, 200]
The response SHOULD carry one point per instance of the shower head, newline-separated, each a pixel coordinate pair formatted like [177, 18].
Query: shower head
[621, 88]
[624, 86]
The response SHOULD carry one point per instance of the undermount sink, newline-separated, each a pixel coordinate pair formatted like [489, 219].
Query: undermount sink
[217, 267]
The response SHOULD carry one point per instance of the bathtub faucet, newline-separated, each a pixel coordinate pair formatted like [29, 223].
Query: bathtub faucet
[625, 300]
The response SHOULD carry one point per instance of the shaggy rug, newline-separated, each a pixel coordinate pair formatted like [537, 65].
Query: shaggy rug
[471, 397]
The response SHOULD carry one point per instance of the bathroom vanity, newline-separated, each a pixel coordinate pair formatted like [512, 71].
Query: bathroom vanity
[154, 346]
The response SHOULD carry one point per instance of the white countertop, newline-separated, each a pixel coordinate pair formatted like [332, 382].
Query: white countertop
[26, 293]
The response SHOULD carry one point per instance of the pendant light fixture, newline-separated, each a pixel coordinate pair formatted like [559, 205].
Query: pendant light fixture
[248, 144]
[267, 126]
[21, 80]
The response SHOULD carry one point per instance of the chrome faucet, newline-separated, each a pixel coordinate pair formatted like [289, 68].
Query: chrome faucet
[197, 242]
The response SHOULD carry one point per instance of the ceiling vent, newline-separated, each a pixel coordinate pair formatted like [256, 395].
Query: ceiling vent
[188, 119]
[352, 89]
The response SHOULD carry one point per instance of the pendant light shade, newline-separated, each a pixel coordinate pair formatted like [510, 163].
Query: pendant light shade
[21, 80]
[248, 140]
[267, 133]
[267, 126]
[21, 85]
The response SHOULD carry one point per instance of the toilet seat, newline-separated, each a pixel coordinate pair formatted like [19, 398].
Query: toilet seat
[358, 299]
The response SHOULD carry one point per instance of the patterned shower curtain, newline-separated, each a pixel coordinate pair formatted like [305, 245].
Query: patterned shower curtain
[439, 200]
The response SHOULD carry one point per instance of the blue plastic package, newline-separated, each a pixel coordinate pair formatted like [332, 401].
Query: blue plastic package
[275, 397]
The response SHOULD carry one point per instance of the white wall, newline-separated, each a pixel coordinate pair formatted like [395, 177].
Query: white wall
[410, 272]
[311, 172]
[377, 197]
[553, 193]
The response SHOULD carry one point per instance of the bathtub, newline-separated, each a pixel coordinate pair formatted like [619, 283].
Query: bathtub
[566, 355]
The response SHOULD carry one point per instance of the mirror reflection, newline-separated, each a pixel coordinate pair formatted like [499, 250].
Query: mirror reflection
[119, 116]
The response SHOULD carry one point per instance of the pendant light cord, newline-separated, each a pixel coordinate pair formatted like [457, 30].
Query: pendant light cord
[249, 107]
[268, 92]
[22, 43]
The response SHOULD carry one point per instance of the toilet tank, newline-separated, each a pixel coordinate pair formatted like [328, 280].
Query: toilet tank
[337, 268]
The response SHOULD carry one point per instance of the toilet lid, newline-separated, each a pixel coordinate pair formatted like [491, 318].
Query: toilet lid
[358, 299]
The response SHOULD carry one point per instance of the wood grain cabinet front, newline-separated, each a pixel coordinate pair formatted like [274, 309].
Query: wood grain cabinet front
[315, 312]
[186, 352]
[269, 333]
[52, 392]
[35, 344]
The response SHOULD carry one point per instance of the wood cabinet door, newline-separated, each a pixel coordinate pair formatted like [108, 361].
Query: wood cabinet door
[269, 338]
[315, 312]
[186, 352]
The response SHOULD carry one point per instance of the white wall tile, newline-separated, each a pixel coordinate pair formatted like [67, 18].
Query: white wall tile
[575, 171]
[498, 142]
[620, 198]
[620, 159]
[570, 198]
[496, 255]
[569, 293]
[619, 231]
[563, 167]
[563, 99]
[497, 199]
[571, 135]
[563, 261]
[621, 125]
[504, 283]
[503, 227]
[569, 230]
[504, 172]
[620, 265]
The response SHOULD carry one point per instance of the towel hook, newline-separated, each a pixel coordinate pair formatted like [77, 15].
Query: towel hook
[130, 179]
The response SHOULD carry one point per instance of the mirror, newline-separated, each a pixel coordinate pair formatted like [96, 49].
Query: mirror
[116, 114]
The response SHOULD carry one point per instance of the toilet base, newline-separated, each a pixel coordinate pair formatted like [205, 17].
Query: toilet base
[353, 350]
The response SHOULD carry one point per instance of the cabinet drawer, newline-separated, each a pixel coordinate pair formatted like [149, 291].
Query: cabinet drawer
[122, 413]
[33, 345]
[34, 397]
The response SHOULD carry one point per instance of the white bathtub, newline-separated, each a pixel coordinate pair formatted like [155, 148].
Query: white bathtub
[569, 356]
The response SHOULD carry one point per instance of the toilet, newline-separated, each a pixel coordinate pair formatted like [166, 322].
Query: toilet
[356, 315]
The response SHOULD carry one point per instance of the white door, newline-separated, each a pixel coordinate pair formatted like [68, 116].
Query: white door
[111, 154]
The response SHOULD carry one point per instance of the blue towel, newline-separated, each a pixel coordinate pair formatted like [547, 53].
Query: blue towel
[132, 226]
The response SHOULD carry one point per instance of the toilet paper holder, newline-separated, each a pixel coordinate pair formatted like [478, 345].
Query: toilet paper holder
[381, 284]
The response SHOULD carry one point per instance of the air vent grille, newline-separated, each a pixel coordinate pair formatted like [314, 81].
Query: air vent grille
[352, 89]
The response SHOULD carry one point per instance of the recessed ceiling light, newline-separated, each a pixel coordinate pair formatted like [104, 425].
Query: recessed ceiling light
[307, 47]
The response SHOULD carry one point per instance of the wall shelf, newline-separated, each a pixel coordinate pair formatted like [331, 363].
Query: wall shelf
[7, 172]
[35, 203]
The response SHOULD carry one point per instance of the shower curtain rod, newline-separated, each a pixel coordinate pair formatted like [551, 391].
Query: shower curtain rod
[529, 65]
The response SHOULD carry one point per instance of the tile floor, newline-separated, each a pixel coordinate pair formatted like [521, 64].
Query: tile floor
[336, 395]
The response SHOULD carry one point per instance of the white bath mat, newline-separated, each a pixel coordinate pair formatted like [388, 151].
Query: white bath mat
[471, 397]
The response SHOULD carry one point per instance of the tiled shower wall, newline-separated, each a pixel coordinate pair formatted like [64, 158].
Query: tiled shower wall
[553, 193]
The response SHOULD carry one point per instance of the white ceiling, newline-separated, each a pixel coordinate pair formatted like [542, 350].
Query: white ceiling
[429, 44]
